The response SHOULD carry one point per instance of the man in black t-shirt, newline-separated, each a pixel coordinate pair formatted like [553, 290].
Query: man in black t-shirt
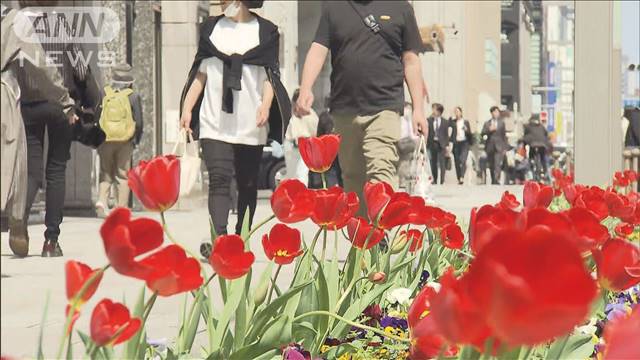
[374, 47]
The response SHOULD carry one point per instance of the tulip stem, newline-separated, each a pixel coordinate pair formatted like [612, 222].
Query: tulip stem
[324, 180]
[259, 226]
[352, 323]
[165, 227]
[273, 284]
[470, 256]
[324, 243]
[310, 249]
[74, 304]
[209, 279]
[94, 350]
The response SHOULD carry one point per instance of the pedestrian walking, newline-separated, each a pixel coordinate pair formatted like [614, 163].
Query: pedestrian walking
[304, 126]
[537, 138]
[121, 120]
[20, 61]
[438, 142]
[462, 140]
[496, 145]
[374, 46]
[233, 101]
[40, 114]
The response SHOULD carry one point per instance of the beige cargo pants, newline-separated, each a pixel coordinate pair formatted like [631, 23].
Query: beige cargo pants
[115, 162]
[368, 150]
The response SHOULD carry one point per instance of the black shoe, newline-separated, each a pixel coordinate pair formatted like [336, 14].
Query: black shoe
[205, 250]
[51, 248]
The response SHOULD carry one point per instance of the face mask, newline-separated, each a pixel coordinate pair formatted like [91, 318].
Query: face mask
[232, 10]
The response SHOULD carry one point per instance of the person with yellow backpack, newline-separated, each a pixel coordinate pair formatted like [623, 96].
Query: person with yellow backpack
[121, 121]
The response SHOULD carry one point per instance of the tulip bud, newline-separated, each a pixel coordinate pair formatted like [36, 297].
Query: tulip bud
[399, 243]
[261, 293]
[378, 277]
[363, 264]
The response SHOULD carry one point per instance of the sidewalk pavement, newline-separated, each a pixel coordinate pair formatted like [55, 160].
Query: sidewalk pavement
[26, 283]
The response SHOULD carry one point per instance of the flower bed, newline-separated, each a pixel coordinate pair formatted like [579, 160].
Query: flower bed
[528, 281]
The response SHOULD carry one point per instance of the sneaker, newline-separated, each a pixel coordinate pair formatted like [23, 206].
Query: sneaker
[19, 240]
[51, 248]
[205, 249]
[101, 210]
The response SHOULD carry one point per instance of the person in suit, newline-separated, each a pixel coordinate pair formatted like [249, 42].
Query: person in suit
[461, 138]
[496, 144]
[438, 142]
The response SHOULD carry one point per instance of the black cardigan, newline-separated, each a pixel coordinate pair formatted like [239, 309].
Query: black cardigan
[265, 54]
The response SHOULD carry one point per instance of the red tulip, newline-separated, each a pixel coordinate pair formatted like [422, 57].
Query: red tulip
[74, 317]
[124, 239]
[530, 286]
[590, 232]
[508, 201]
[618, 264]
[593, 198]
[486, 222]
[228, 258]
[427, 342]
[377, 196]
[624, 230]
[621, 337]
[619, 205]
[318, 153]
[537, 195]
[452, 236]
[624, 179]
[416, 237]
[173, 271]
[292, 202]
[571, 192]
[421, 305]
[112, 324]
[77, 275]
[456, 313]
[282, 244]
[333, 207]
[360, 230]
[156, 183]
[397, 212]
[416, 210]
[560, 180]
[436, 218]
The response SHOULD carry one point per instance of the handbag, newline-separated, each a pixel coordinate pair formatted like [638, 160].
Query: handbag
[190, 161]
[419, 182]
[86, 130]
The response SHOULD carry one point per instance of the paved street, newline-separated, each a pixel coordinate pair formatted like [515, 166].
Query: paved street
[27, 282]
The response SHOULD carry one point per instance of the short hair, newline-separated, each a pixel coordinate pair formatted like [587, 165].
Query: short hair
[493, 108]
[438, 107]
[459, 108]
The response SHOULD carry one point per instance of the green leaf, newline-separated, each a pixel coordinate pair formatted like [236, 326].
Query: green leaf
[337, 351]
[192, 323]
[212, 230]
[236, 292]
[321, 322]
[278, 332]
[571, 347]
[241, 316]
[262, 316]
[260, 292]
[134, 346]
[356, 309]
[244, 231]
[40, 354]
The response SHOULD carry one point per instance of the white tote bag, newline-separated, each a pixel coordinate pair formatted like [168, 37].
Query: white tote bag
[419, 183]
[189, 162]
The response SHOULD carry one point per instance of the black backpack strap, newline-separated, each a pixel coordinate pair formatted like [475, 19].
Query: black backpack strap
[372, 24]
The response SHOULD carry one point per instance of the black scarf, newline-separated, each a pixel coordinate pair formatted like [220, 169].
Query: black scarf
[265, 54]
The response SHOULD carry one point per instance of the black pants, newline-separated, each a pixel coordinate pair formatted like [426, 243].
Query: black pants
[437, 159]
[223, 160]
[495, 165]
[37, 117]
[542, 152]
[460, 154]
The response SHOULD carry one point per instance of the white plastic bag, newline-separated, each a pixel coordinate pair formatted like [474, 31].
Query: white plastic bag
[189, 162]
[419, 183]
